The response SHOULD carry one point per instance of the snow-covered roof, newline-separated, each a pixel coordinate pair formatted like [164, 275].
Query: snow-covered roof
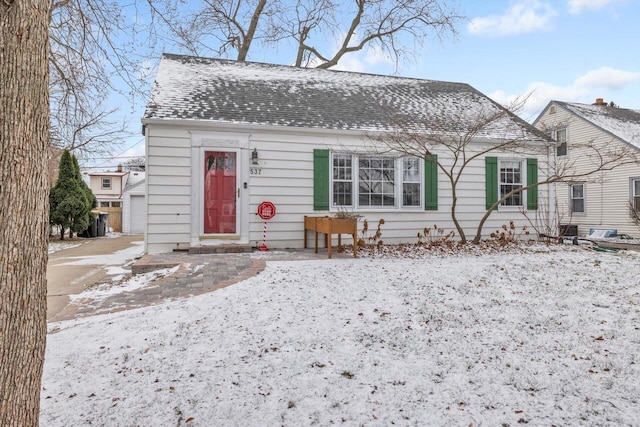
[223, 91]
[135, 178]
[620, 122]
[108, 173]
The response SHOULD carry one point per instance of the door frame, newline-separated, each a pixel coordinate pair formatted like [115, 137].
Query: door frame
[202, 141]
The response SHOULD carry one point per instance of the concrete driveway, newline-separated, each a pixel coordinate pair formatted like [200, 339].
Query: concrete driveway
[72, 270]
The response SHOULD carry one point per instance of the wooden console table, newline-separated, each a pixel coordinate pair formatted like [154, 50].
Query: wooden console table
[328, 226]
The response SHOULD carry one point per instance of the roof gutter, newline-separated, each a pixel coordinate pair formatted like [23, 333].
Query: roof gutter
[195, 124]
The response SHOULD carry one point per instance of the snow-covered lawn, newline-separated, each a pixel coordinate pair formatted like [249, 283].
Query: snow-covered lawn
[544, 338]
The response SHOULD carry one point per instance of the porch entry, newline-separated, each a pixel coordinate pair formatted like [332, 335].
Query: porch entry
[220, 173]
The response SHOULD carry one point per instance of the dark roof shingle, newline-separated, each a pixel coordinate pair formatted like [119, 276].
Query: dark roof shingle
[218, 90]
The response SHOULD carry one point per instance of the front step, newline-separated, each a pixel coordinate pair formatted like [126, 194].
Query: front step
[220, 249]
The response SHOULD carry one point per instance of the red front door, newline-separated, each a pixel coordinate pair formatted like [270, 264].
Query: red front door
[219, 192]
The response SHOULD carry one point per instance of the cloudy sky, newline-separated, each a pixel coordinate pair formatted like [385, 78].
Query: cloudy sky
[567, 50]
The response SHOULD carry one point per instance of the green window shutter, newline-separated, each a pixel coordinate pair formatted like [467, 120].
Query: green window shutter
[431, 183]
[532, 178]
[320, 180]
[491, 180]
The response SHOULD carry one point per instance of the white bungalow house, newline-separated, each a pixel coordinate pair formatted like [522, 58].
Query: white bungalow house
[601, 200]
[224, 136]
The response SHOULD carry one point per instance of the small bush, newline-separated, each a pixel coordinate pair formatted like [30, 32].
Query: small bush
[508, 234]
[371, 240]
[433, 236]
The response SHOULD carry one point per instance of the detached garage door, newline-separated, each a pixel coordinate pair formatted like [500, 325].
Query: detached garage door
[138, 215]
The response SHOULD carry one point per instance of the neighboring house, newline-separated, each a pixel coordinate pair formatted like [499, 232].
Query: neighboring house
[224, 136]
[134, 210]
[602, 200]
[109, 187]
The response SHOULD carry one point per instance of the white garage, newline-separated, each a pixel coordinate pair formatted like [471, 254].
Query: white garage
[137, 220]
[134, 209]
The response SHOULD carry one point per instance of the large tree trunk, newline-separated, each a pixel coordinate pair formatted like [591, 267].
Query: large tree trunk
[24, 211]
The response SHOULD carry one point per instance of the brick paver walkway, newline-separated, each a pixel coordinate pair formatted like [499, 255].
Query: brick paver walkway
[196, 274]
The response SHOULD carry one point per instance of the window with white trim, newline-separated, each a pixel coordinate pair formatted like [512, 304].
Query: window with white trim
[106, 184]
[342, 180]
[511, 178]
[560, 136]
[377, 182]
[577, 195]
[635, 194]
[411, 179]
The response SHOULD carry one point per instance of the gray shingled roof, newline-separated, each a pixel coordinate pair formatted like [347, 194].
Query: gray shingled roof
[194, 88]
[622, 123]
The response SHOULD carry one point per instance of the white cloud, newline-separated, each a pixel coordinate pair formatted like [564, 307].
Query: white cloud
[579, 6]
[600, 83]
[376, 56]
[363, 61]
[524, 16]
[607, 77]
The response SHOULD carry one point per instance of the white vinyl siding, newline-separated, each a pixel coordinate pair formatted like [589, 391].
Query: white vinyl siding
[286, 179]
[607, 193]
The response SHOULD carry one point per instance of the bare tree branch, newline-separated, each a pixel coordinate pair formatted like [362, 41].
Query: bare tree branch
[94, 52]
[396, 27]
[462, 138]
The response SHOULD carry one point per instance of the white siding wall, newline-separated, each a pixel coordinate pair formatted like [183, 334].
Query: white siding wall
[168, 181]
[286, 179]
[607, 193]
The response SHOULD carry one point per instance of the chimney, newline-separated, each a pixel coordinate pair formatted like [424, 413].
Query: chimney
[120, 165]
[600, 101]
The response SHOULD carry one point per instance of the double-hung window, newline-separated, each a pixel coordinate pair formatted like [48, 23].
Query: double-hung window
[635, 195]
[411, 179]
[106, 184]
[560, 135]
[376, 181]
[511, 178]
[576, 198]
[342, 180]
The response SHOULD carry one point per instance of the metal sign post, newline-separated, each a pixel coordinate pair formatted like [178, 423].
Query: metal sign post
[266, 211]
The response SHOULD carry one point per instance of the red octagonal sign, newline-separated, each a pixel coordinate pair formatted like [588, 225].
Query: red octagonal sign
[266, 210]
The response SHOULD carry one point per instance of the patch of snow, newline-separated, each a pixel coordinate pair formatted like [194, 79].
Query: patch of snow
[104, 290]
[537, 336]
[117, 258]
[59, 246]
[621, 122]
